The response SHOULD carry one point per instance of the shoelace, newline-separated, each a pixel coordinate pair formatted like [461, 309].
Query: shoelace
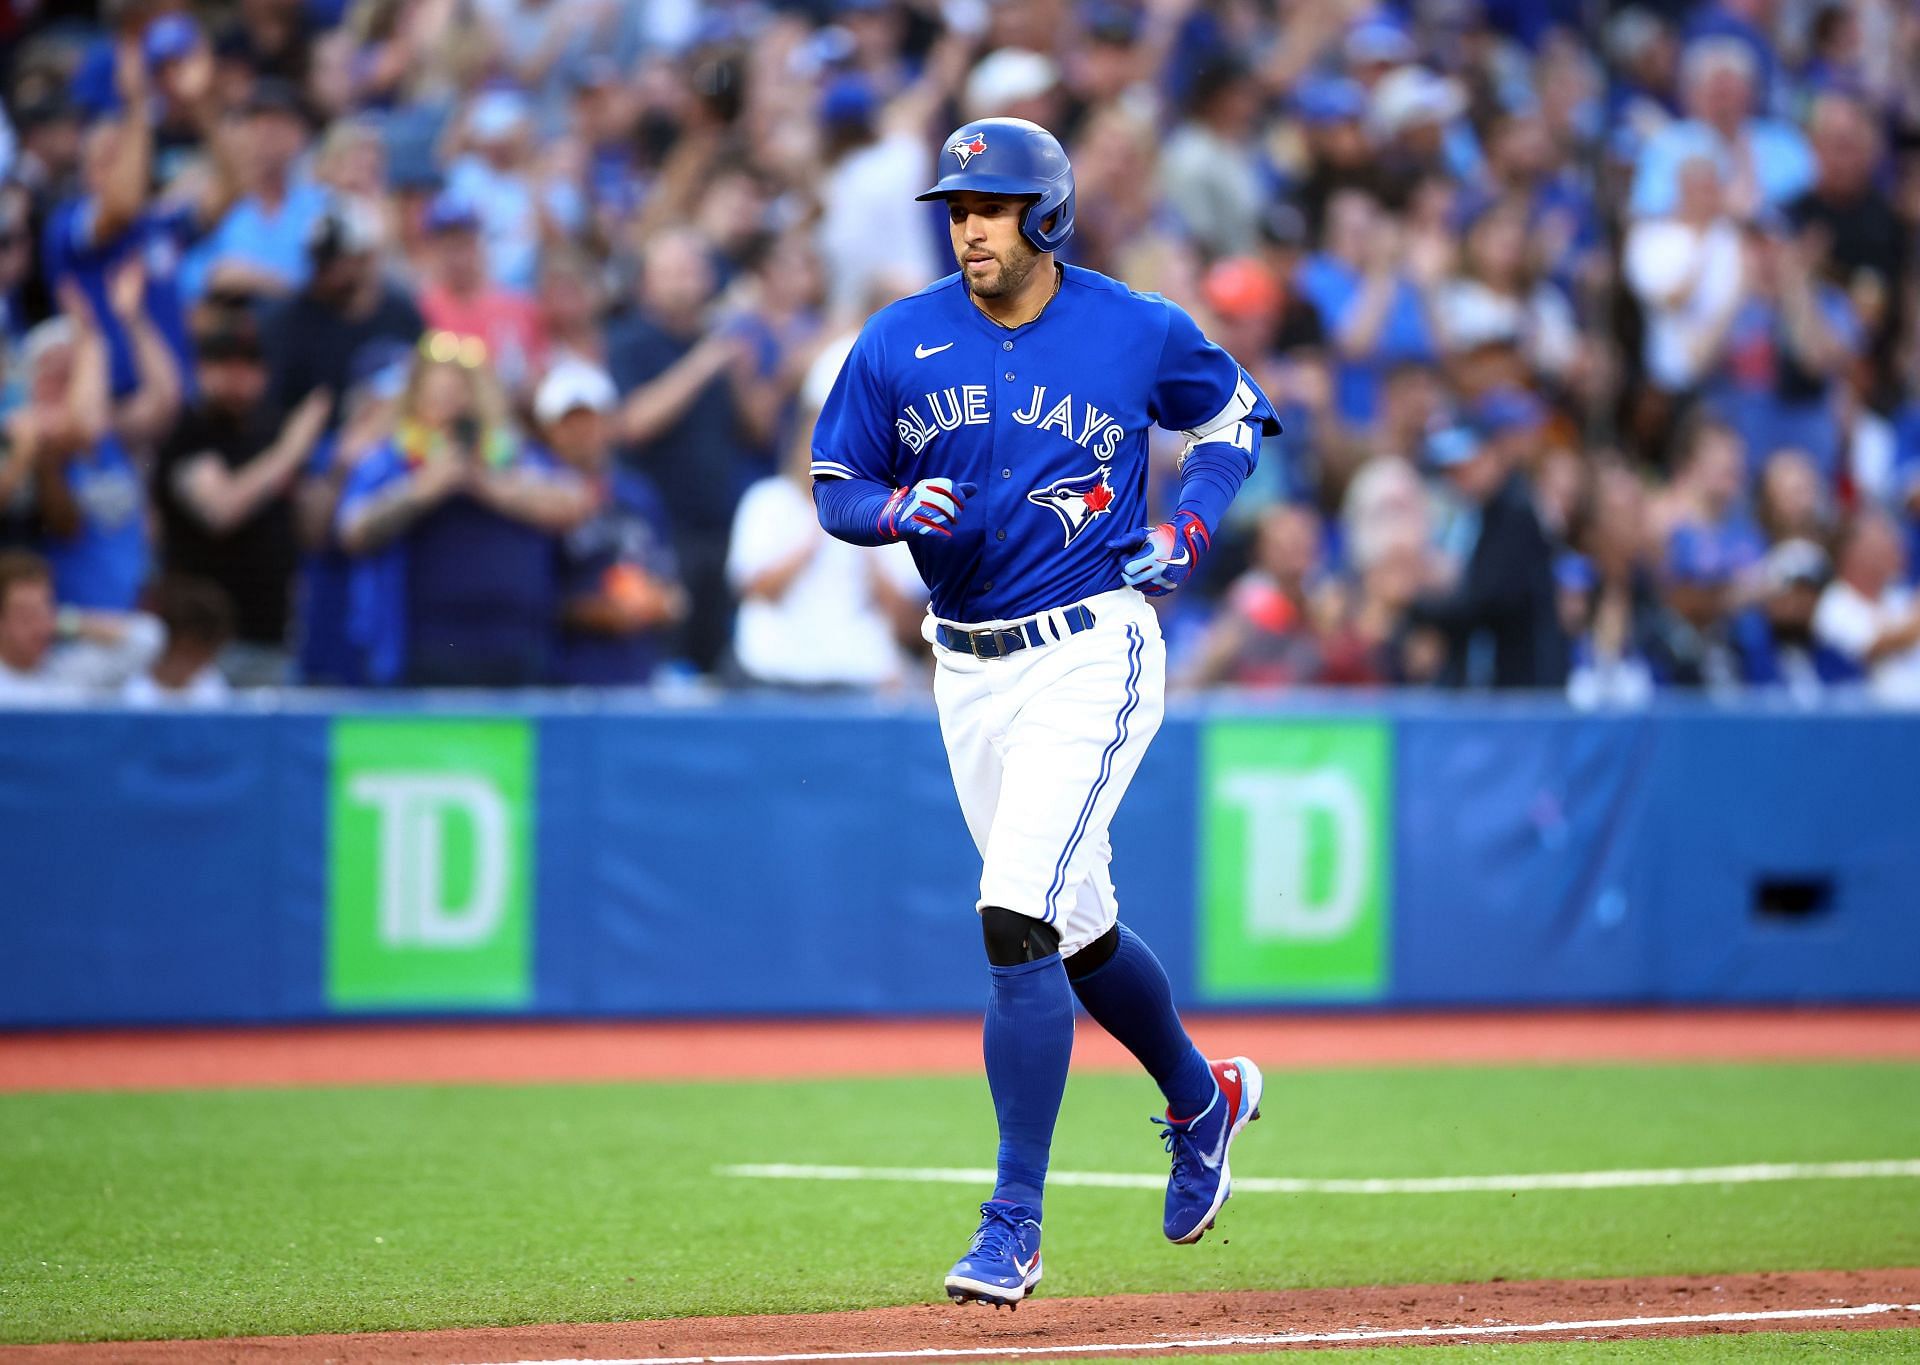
[999, 1235]
[1180, 1144]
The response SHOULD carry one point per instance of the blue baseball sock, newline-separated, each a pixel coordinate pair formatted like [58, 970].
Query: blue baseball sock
[1029, 1044]
[1128, 995]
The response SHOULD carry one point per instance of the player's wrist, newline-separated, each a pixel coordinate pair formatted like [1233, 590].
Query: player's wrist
[1190, 529]
[889, 522]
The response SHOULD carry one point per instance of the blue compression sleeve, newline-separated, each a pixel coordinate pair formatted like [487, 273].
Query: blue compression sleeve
[1209, 478]
[850, 509]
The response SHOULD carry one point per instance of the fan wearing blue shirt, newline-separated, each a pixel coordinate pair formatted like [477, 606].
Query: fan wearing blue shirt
[326, 652]
[114, 221]
[1714, 551]
[260, 246]
[1377, 315]
[1766, 160]
[619, 589]
[92, 504]
[452, 523]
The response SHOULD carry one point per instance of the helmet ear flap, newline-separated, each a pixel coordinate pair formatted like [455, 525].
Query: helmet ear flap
[1048, 221]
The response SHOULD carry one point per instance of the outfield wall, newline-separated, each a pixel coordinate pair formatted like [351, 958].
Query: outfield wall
[758, 858]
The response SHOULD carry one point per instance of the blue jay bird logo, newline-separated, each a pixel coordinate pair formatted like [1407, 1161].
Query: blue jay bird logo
[1079, 501]
[967, 148]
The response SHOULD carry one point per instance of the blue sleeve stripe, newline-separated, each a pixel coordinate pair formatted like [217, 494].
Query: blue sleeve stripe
[831, 469]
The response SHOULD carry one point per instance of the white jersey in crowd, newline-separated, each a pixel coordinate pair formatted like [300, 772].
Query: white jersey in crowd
[208, 689]
[828, 628]
[1687, 279]
[82, 671]
[1848, 622]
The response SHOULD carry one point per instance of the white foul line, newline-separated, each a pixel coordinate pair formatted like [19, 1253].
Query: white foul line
[1261, 1339]
[1442, 1184]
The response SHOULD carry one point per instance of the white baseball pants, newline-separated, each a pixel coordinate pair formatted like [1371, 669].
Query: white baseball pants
[1043, 744]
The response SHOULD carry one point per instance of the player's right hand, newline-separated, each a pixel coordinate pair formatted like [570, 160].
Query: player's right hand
[929, 507]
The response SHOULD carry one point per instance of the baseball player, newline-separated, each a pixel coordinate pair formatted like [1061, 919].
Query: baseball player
[997, 423]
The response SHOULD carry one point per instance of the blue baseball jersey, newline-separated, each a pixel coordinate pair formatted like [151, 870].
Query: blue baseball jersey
[159, 236]
[1048, 420]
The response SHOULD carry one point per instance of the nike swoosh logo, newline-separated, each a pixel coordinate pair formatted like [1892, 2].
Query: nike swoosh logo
[922, 352]
[1185, 555]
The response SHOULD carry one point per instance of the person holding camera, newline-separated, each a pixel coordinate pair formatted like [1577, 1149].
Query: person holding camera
[452, 526]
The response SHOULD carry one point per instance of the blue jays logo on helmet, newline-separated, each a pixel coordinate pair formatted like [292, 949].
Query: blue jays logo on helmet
[1026, 162]
[968, 147]
[1079, 501]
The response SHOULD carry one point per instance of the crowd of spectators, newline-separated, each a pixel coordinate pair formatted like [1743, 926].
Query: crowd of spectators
[478, 342]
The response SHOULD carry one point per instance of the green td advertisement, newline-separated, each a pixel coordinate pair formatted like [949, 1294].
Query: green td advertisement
[1296, 860]
[430, 864]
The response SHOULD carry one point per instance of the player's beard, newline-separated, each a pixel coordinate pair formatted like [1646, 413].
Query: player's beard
[1015, 266]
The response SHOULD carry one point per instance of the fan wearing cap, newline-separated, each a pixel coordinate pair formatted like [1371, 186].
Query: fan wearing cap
[314, 339]
[1418, 131]
[619, 590]
[493, 172]
[462, 297]
[222, 483]
[1501, 621]
[115, 221]
[260, 246]
[604, 118]
[187, 117]
[869, 228]
[1332, 114]
[453, 524]
[1210, 171]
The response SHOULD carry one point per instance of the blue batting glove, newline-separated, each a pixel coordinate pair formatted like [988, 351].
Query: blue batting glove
[1161, 558]
[930, 507]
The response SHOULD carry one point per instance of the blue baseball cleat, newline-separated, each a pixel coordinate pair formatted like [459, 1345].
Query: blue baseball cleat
[1200, 1184]
[1002, 1264]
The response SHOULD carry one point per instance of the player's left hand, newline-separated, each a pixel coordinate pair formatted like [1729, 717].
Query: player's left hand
[1161, 558]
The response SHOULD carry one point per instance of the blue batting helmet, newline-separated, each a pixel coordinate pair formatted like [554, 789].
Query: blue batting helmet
[1015, 157]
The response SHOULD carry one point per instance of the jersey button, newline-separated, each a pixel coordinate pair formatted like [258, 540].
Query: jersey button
[1006, 473]
[1000, 534]
[1009, 376]
[987, 586]
[1006, 345]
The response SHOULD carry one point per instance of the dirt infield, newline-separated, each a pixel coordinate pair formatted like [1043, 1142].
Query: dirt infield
[1135, 1326]
[347, 1054]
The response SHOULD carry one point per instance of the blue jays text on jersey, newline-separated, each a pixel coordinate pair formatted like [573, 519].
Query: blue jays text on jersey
[1048, 420]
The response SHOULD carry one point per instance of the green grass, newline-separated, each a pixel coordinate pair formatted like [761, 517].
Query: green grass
[200, 1214]
[1895, 1344]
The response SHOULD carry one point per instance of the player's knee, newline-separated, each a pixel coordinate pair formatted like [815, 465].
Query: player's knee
[1013, 938]
[1094, 956]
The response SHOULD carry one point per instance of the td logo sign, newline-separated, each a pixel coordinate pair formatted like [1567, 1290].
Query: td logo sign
[1296, 858]
[430, 864]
